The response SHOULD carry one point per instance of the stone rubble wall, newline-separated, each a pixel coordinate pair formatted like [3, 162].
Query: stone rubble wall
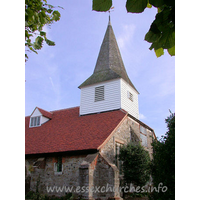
[92, 170]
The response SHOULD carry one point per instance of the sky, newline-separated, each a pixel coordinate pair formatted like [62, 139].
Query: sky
[54, 74]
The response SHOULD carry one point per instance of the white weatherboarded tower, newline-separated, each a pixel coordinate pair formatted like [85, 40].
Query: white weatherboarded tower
[109, 87]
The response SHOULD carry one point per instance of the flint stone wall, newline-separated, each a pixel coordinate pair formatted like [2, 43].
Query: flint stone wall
[83, 172]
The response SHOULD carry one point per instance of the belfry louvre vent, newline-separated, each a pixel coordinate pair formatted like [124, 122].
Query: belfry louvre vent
[99, 93]
[130, 96]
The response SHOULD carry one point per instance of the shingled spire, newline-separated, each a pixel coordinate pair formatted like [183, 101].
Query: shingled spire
[109, 64]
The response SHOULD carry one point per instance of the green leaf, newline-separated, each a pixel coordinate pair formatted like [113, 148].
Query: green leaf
[159, 10]
[37, 14]
[159, 52]
[56, 15]
[151, 36]
[42, 33]
[149, 5]
[171, 51]
[49, 10]
[42, 18]
[60, 7]
[164, 19]
[50, 6]
[168, 39]
[157, 3]
[39, 39]
[169, 2]
[31, 48]
[49, 42]
[154, 28]
[136, 6]
[162, 31]
[26, 34]
[38, 43]
[101, 5]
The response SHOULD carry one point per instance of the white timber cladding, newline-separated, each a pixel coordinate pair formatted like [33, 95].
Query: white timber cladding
[109, 98]
[37, 113]
[129, 99]
[109, 95]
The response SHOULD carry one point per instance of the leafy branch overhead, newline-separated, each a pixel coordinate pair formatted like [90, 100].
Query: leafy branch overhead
[38, 14]
[161, 34]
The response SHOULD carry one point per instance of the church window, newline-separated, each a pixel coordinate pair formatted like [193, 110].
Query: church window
[143, 130]
[35, 121]
[130, 95]
[143, 136]
[99, 93]
[58, 165]
[118, 163]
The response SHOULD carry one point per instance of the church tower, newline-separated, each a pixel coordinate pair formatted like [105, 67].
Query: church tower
[109, 87]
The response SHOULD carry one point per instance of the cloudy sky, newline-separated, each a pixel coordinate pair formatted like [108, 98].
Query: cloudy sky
[53, 76]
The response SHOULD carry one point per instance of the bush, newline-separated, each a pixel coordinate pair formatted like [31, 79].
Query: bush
[135, 164]
[37, 196]
[163, 163]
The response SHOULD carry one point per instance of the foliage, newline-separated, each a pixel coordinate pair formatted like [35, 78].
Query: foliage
[161, 34]
[29, 195]
[68, 196]
[135, 164]
[38, 14]
[100, 5]
[163, 163]
[31, 168]
[37, 196]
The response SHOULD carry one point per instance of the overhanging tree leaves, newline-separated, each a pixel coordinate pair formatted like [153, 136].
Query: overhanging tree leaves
[136, 6]
[102, 5]
[38, 14]
[161, 34]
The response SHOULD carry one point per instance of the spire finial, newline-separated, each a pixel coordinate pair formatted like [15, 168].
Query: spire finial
[109, 14]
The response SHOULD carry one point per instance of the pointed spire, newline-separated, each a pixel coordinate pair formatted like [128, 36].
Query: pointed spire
[109, 20]
[109, 63]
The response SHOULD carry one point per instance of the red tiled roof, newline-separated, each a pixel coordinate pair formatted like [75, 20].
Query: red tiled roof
[67, 131]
